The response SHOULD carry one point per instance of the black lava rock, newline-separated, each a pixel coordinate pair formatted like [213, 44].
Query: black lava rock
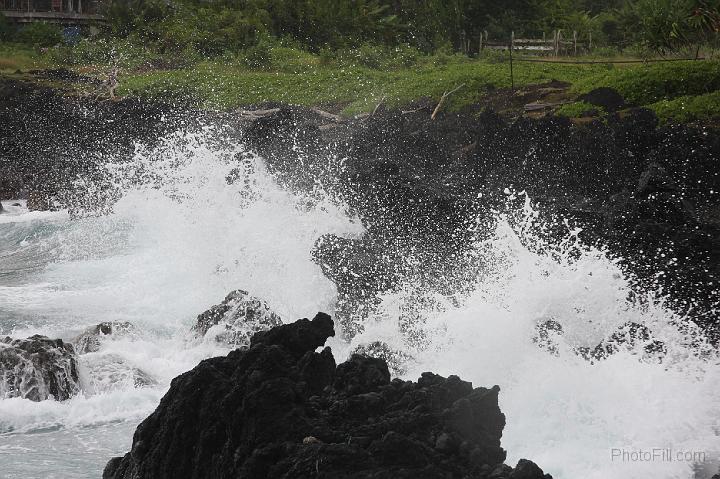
[607, 98]
[425, 192]
[38, 368]
[282, 410]
[89, 340]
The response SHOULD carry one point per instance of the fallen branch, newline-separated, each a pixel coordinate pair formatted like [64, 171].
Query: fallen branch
[442, 101]
[542, 106]
[112, 82]
[407, 112]
[370, 115]
[377, 107]
[258, 113]
[328, 115]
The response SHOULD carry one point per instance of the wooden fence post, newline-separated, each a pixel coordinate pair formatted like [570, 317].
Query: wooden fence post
[512, 75]
[575, 42]
[558, 42]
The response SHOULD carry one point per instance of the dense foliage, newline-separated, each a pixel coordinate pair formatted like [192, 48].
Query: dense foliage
[355, 53]
[221, 25]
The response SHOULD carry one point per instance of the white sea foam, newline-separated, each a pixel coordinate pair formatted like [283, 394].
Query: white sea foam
[564, 412]
[196, 220]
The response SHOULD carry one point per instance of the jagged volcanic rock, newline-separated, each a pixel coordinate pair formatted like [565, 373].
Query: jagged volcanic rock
[37, 368]
[281, 410]
[239, 316]
[395, 358]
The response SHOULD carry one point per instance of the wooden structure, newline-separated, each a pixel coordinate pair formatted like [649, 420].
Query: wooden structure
[555, 46]
[67, 12]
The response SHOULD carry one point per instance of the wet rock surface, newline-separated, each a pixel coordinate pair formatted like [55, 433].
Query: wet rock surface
[89, 341]
[236, 319]
[38, 368]
[425, 190]
[280, 409]
[607, 98]
[109, 372]
[48, 140]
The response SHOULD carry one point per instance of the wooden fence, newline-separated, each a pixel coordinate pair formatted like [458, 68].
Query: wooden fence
[556, 45]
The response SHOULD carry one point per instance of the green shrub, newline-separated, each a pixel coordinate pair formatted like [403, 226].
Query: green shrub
[367, 55]
[606, 52]
[578, 109]
[374, 56]
[208, 30]
[651, 83]
[495, 56]
[326, 56]
[258, 56]
[40, 34]
[291, 59]
[405, 55]
[688, 108]
[125, 52]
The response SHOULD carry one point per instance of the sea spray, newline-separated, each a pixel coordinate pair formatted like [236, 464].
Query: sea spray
[183, 223]
[563, 410]
[170, 232]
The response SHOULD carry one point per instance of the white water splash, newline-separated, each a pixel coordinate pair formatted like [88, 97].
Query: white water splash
[571, 416]
[197, 219]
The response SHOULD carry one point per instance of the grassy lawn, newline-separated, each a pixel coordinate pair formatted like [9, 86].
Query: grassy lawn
[358, 88]
[678, 91]
[18, 57]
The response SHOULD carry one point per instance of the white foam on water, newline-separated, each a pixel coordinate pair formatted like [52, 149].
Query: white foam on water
[197, 219]
[573, 417]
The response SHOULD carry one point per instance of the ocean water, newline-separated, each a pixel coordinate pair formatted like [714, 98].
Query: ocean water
[197, 219]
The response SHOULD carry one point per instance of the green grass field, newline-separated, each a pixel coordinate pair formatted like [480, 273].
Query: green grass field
[16, 57]
[357, 88]
[677, 91]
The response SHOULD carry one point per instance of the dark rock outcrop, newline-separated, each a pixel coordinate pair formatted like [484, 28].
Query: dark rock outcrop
[37, 368]
[607, 98]
[395, 359]
[48, 140]
[239, 316]
[425, 192]
[281, 410]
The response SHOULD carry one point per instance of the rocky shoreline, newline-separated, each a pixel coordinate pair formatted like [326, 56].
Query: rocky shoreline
[426, 190]
[279, 409]
[648, 195]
